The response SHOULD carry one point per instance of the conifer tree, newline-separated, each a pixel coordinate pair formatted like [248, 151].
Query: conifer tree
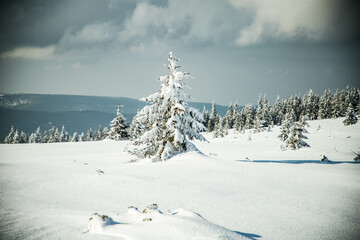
[212, 118]
[277, 112]
[119, 128]
[82, 137]
[137, 128]
[89, 135]
[75, 137]
[228, 119]
[23, 137]
[63, 135]
[9, 138]
[206, 116]
[169, 122]
[16, 139]
[105, 133]
[45, 137]
[249, 116]
[35, 137]
[98, 136]
[296, 137]
[219, 129]
[56, 136]
[350, 117]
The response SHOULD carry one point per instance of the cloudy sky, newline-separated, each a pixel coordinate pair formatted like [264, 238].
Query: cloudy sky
[234, 49]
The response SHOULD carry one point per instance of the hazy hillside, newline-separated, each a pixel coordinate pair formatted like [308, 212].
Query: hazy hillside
[77, 113]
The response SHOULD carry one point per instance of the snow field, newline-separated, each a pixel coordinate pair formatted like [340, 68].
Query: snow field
[49, 191]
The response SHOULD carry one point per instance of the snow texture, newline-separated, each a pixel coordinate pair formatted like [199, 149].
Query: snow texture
[48, 192]
[151, 223]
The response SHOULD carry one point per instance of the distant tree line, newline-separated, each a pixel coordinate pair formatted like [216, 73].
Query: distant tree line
[290, 113]
[119, 130]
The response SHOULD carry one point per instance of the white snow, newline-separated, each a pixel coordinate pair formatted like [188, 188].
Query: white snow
[49, 191]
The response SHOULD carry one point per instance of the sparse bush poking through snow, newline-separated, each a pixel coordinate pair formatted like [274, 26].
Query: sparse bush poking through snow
[357, 156]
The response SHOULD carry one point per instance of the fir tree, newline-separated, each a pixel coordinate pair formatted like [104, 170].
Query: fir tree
[35, 137]
[350, 117]
[137, 128]
[56, 136]
[45, 137]
[169, 122]
[9, 138]
[23, 137]
[206, 116]
[228, 119]
[16, 139]
[89, 135]
[105, 133]
[119, 128]
[212, 118]
[284, 130]
[63, 135]
[249, 116]
[294, 136]
[98, 134]
[75, 137]
[219, 129]
[82, 137]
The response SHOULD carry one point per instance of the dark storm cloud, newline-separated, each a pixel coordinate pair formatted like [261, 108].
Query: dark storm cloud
[237, 47]
[42, 22]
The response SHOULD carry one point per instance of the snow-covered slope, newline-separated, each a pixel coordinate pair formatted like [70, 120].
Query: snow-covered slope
[49, 191]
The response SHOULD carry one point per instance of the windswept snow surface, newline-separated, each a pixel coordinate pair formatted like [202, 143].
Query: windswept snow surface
[49, 191]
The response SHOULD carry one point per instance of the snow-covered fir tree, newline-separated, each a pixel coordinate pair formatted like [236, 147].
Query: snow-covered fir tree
[249, 116]
[9, 138]
[293, 135]
[310, 105]
[277, 112]
[75, 137]
[45, 137]
[219, 128]
[16, 139]
[119, 128]
[35, 137]
[105, 133]
[206, 116]
[284, 130]
[137, 128]
[169, 122]
[56, 136]
[213, 117]
[63, 135]
[350, 117]
[82, 137]
[89, 135]
[23, 137]
[98, 136]
[229, 117]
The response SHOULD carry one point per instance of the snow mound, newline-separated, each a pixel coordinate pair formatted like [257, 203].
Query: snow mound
[151, 223]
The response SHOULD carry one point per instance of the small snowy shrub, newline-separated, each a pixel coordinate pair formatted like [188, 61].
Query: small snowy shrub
[350, 117]
[292, 134]
[357, 156]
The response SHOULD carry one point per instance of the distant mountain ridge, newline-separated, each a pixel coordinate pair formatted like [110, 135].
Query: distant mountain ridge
[77, 113]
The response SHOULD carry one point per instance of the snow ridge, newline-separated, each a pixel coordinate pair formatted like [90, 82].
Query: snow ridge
[151, 223]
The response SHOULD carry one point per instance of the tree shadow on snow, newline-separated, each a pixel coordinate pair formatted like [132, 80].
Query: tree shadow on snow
[249, 235]
[298, 161]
